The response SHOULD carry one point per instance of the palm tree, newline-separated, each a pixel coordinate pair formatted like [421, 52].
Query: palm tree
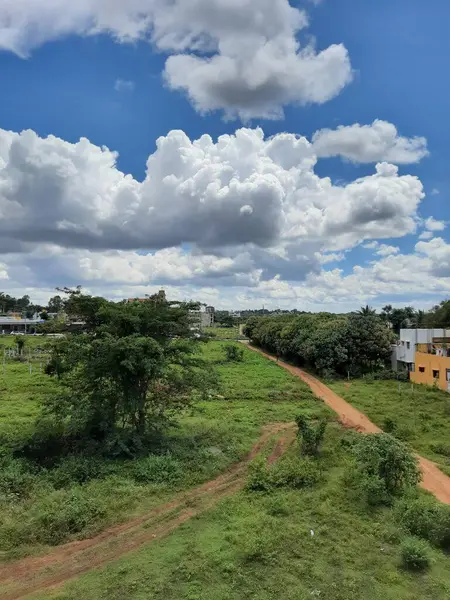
[366, 311]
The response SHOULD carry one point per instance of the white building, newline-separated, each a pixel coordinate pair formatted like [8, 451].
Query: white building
[409, 338]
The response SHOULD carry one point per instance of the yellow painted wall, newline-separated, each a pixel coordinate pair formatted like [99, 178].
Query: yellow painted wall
[430, 362]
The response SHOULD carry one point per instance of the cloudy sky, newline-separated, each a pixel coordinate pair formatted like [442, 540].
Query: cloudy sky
[239, 152]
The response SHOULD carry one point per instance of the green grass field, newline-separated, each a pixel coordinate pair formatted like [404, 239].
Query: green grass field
[224, 333]
[420, 414]
[259, 546]
[211, 436]
[253, 545]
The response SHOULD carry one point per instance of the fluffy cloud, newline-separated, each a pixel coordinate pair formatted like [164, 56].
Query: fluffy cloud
[369, 143]
[241, 56]
[241, 190]
[432, 224]
[385, 250]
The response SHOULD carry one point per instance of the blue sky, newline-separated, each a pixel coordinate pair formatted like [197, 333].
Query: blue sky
[64, 83]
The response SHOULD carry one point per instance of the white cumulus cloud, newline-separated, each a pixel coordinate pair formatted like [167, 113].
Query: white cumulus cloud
[379, 141]
[242, 189]
[240, 56]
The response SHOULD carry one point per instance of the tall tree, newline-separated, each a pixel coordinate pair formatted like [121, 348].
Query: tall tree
[135, 368]
[366, 311]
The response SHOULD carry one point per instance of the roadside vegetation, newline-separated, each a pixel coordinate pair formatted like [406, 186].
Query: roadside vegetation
[330, 344]
[300, 529]
[50, 495]
[419, 415]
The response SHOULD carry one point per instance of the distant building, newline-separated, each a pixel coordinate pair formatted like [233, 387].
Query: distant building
[201, 318]
[16, 325]
[425, 353]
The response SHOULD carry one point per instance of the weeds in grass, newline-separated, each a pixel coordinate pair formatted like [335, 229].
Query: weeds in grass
[415, 555]
[426, 518]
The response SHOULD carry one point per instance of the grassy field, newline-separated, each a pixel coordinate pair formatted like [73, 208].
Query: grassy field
[73, 499]
[291, 544]
[419, 415]
[224, 333]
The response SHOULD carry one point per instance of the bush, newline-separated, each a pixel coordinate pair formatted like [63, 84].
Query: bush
[287, 472]
[62, 514]
[258, 476]
[311, 436]
[428, 519]
[157, 469]
[389, 425]
[16, 480]
[76, 469]
[233, 353]
[384, 467]
[415, 555]
[440, 448]
[389, 374]
[293, 473]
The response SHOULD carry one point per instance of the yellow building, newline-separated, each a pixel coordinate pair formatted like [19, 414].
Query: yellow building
[431, 369]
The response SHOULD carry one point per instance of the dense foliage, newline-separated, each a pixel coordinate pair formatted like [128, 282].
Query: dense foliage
[331, 344]
[384, 468]
[133, 368]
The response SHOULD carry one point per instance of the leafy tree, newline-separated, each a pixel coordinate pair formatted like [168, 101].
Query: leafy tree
[55, 304]
[20, 343]
[384, 467]
[311, 435]
[366, 311]
[368, 344]
[132, 372]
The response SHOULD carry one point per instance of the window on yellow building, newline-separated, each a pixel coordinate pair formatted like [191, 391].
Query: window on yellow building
[421, 369]
[435, 374]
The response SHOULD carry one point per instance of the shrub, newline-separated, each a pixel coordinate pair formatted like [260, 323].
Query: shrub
[293, 473]
[258, 476]
[384, 467]
[157, 469]
[76, 469]
[62, 514]
[389, 425]
[233, 353]
[428, 519]
[287, 472]
[440, 448]
[16, 480]
[311, 436]
[415, 555]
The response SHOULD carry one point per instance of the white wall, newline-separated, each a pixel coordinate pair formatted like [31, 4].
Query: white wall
[413, 337]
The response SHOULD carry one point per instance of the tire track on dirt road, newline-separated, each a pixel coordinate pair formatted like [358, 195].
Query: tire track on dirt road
[433, 479]
[36, 574]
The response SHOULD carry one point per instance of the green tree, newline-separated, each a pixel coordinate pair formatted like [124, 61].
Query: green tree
[385, 467]
[55, 304]
[20, 343]
[366, 311]
[132, 372]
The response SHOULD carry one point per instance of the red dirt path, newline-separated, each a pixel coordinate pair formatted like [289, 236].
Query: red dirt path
[36, 574]
[433, 479]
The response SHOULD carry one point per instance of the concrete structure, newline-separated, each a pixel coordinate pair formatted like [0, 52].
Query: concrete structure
[18, 325]
[425, 353]
[202, 318]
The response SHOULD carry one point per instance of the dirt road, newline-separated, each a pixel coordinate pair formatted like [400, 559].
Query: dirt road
[36, 574]
[433, 479]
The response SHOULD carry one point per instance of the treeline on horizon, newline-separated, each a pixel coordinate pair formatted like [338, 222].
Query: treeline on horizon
[354, 344]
